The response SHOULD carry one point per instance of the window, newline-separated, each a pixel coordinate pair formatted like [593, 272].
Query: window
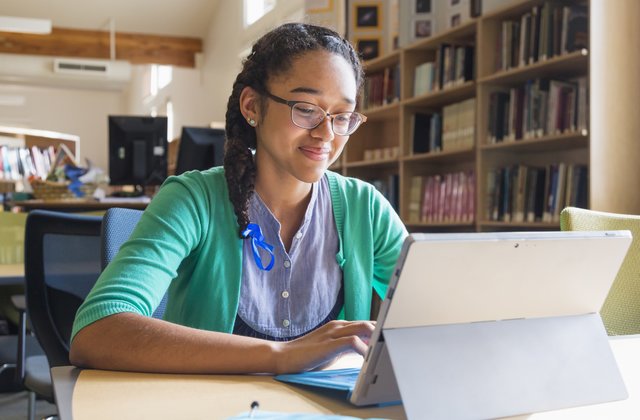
[158, 78]
[170, 119]
[255, 9]
[165, 75]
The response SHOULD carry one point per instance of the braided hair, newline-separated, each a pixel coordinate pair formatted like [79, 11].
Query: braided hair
[271, 55]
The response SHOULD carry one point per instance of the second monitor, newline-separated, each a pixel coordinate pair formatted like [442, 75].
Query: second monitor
[200, 148]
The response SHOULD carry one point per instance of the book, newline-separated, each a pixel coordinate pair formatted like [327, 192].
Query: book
[426, 214]
[416, 194]
[577, 28]
[450, 133]
[498, 116]
[520, 194]
[421, 126]
[435, 135]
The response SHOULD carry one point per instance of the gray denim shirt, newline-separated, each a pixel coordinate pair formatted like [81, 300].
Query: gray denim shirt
[302, 287]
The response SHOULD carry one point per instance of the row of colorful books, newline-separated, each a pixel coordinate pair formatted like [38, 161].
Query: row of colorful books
[442, 198]
[548, 30]
[538, 108]
[453, 129]
[381, 88]
[522, 193]
[453, 66]
[18, 163]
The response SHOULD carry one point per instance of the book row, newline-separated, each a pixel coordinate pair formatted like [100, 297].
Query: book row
[381, 88]
[453, 129]
[442, 198]
[382, 153]
[548, 30]
[453, 66]
[17, 163]
[538, 108]
[522, 193]
[388, 187]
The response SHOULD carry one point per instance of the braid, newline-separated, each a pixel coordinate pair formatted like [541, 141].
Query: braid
[271, 55]
[239, 167]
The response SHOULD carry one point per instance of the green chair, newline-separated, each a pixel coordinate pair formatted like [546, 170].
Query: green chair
[12, 227]
[621, 309]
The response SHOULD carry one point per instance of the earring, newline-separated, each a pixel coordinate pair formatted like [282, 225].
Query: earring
[251, 122]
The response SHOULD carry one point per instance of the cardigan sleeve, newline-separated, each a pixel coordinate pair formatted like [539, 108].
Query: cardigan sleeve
[138, 277]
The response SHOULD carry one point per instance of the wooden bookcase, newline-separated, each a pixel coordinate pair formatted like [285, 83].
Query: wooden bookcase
[25, 138]
[388, 131]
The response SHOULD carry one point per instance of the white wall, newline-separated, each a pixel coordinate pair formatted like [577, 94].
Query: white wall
[191, 102]
[227, 39]
[199, 96]
[74, 111]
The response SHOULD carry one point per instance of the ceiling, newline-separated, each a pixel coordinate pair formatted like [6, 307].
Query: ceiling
[189, 18]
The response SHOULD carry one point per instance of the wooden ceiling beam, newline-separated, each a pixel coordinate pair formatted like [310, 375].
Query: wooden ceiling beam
[133, 47]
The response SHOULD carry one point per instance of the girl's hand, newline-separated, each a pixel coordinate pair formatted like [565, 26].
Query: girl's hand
[323, 345]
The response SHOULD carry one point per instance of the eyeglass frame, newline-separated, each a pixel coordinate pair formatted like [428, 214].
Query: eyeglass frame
[291, 104]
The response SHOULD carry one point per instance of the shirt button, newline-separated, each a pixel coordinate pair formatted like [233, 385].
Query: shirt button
[285, 294]
[287, 264]
[298, 235]
[285, 323]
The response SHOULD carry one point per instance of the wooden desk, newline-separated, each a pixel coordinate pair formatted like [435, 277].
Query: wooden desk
[122, 395]
[78, 205]
[93, 394]
[11, 274]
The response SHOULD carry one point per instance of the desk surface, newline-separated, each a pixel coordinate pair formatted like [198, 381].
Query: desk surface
[11, 274]
[96, 394]
[79, 205]
[12, 270]
[93, 394]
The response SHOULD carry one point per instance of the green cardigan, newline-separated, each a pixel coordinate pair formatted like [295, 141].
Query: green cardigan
[187, 241]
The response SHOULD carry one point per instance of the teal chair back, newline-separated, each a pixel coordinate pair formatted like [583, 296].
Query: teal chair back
[117, 225]
[621, 309]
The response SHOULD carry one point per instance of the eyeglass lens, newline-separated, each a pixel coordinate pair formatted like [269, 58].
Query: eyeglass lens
[310, 116]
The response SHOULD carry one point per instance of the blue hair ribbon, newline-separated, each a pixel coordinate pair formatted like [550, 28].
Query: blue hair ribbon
[257, 240]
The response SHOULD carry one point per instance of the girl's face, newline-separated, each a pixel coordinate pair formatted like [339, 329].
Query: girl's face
[318, 77]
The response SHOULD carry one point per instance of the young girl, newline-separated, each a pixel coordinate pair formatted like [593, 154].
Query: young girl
[270, 262]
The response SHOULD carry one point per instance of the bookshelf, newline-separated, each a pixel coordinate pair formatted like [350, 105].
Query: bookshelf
[14, 139]
[561, 146]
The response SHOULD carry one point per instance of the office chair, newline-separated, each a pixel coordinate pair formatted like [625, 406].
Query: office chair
[12, 227]
[62, 263]
[621, 310]
[117, 226]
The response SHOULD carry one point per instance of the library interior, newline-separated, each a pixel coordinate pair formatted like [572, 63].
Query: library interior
[510, 123]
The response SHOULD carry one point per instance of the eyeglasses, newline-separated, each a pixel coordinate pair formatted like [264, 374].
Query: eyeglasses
[309, 116]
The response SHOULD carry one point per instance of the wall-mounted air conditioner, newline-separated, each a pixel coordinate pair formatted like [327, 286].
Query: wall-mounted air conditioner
[65, 72]
[92, 68]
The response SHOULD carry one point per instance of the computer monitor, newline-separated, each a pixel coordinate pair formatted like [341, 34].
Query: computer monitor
[137, 150]
[200, 148]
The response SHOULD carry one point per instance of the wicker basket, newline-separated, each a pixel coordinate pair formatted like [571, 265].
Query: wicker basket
[49, 190]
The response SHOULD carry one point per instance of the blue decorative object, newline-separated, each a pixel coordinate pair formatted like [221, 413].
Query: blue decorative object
[257, 240]
[73, 173]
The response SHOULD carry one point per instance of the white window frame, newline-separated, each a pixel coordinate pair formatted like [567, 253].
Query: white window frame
[254, 10]
[157, 78]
